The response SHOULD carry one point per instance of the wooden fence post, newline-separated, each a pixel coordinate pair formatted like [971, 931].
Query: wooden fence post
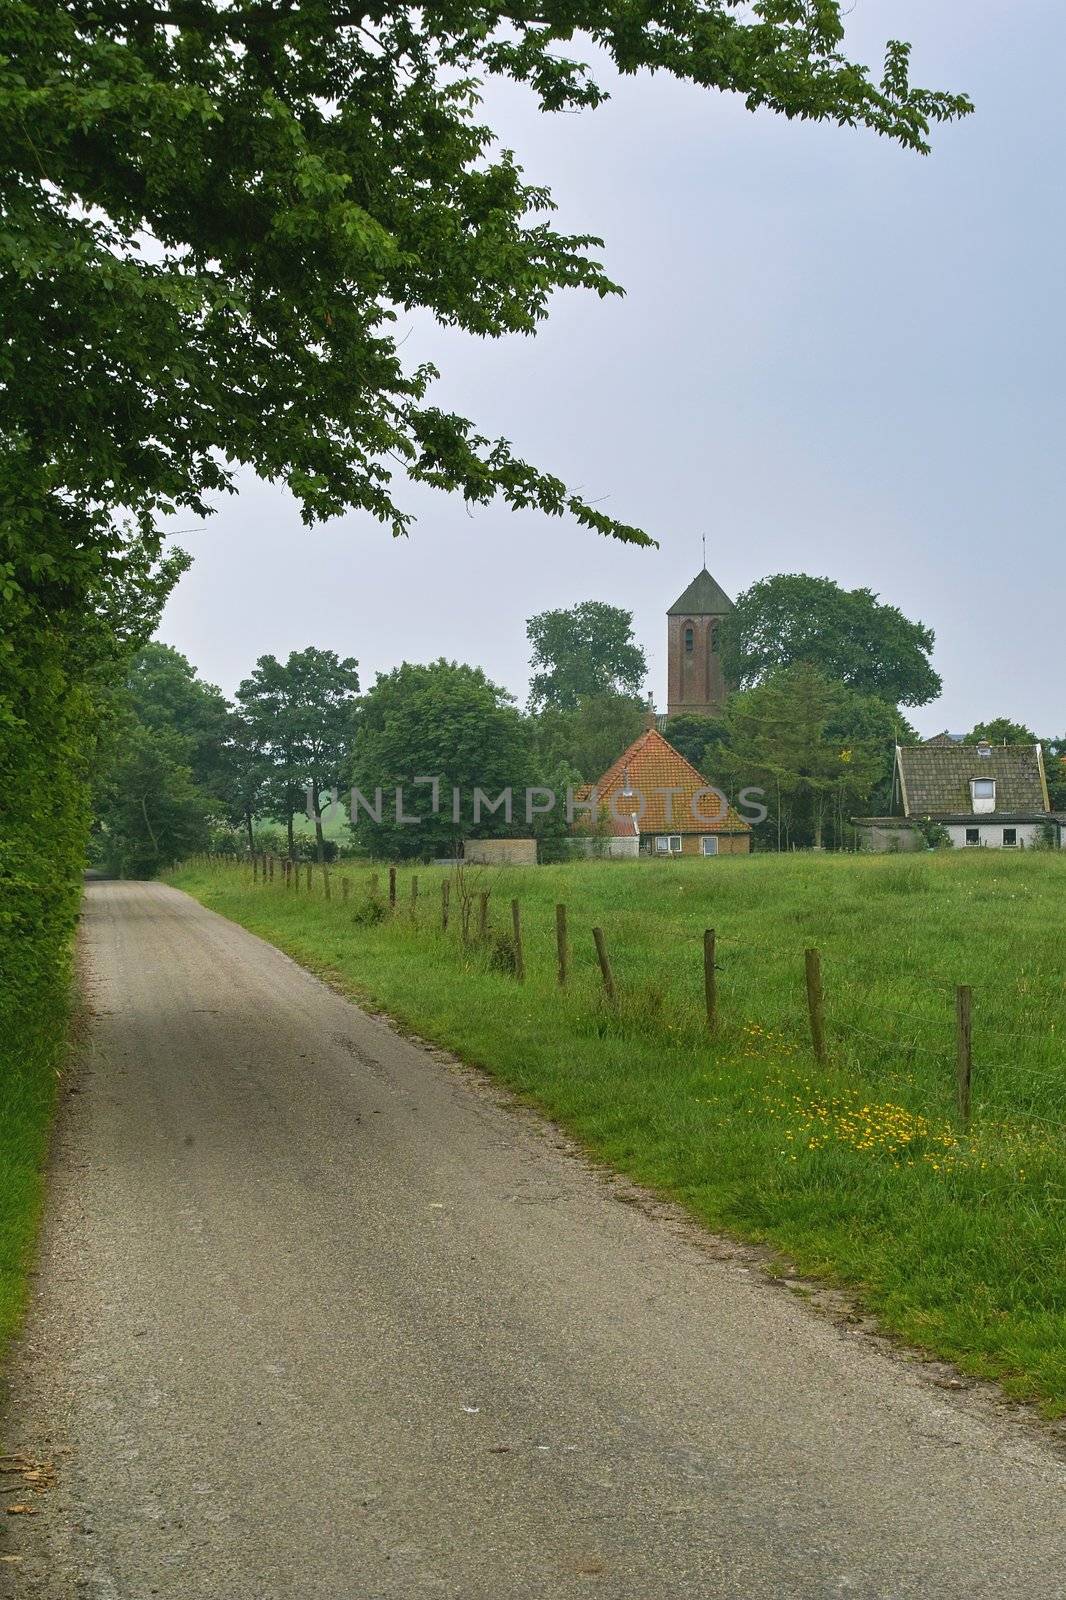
[286, 873]
[325, 881]
[964, 1043]
[814, 1002]
[710, 986]
[483, 916]
[519, 958]
[346, 889]
[310, 884]
[561, 945]
[255, 867]
[605, 965]
[270, 864]
[392, 888]
[445, 891]
[414, 897]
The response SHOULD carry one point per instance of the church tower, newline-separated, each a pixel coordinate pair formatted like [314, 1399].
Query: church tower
[695, 682]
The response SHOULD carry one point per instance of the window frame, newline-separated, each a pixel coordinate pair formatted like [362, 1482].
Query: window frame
[664, 844]
[1012, 842]
[705, 840]
[976, 832]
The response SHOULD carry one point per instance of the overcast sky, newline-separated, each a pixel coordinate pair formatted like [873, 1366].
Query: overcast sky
[833, 357]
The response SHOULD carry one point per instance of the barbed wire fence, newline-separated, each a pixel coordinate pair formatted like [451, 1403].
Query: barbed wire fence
[941, 1031]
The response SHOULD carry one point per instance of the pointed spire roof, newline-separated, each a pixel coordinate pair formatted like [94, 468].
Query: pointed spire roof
[704, 597]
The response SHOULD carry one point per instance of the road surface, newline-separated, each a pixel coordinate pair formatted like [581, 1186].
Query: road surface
[320, 1314]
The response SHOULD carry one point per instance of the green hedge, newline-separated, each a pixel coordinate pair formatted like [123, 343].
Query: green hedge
[45, 739]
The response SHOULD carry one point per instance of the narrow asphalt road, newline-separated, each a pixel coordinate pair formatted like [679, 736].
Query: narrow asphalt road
[319, 1314]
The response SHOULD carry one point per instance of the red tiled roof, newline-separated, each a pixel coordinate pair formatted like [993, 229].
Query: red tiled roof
[652, 764]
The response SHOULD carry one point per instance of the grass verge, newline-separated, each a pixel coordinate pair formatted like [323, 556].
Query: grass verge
[858, 1170]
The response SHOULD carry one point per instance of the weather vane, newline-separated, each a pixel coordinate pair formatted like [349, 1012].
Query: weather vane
[703, 541]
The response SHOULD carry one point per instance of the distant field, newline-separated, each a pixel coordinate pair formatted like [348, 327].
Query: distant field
[859, 1170]
[334, 825]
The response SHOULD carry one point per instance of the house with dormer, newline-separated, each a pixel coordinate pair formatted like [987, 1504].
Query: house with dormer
[983, 795]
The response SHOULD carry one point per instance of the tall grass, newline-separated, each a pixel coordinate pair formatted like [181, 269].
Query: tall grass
[857, 1170]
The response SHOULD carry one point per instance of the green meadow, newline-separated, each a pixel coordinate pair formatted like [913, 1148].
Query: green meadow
[858, 1170]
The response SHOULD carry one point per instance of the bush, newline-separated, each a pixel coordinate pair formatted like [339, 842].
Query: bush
[935, 834]
[268, 840]
[503, 952]
[224, 839]
[369, 912]
[305, 848]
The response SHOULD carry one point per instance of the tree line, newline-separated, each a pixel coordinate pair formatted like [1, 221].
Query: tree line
[821, 678]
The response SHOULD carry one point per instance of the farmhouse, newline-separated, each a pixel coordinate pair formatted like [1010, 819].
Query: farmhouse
[990, 795]
[654, 802]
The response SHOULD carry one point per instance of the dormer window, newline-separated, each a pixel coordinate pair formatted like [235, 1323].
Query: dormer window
[983, 794]
[690, 640]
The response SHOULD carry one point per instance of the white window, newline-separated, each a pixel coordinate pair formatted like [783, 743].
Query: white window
[983, 791]
[667, 844]
[973, 836]
[1010, 836]
[709, 845]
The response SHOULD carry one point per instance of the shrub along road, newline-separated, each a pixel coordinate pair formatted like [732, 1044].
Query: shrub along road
[320, 1314]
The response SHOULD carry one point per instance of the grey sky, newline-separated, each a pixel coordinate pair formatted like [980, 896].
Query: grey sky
[833, 357]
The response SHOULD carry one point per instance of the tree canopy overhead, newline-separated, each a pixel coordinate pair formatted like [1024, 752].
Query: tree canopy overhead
[215, 211]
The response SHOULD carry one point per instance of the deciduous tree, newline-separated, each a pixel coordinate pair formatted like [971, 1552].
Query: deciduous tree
[697, 738]
[301, 714]
[590, 736]
[588, 650]
[848, 635]
[1001, 730]
[448, 722]
[166, 691]
[785, 735]
[151, 811]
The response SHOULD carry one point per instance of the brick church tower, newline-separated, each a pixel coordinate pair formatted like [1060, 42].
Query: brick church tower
[695, 682]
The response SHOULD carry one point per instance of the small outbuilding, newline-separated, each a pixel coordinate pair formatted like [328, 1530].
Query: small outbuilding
[500, 852]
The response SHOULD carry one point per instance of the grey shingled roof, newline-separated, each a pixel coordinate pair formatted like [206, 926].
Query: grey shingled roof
[704, 597]
[936, 778]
